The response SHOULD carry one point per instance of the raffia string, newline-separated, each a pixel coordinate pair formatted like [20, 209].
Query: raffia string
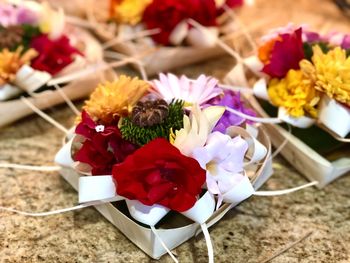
[164, 245]
[136, 35]
[44, 115]
[67, 100]
[244, 29]
[287, 247]
[252, 118]
[53, 168]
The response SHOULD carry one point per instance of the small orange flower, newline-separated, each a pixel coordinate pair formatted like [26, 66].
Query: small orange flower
[264, 51]
[10, 62]
[115, 98]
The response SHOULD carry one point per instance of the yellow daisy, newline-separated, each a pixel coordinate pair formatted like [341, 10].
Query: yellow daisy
[10, 62]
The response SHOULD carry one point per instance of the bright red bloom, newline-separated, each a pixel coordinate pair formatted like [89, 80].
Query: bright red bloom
[166, 14]
[234, 3]
[101, 149]
[54, 55]
[158, 173]
[285, 54]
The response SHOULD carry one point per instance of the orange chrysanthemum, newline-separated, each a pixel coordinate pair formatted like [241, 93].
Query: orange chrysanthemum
[264, 50]
[10, 62]
[116, 98]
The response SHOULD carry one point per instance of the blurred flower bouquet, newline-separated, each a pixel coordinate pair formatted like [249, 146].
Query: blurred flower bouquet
[161, 33]
[306, 76]
[36, 47]
[173, 150]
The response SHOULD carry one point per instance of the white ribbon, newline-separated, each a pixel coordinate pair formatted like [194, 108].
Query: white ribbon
[300, 122]
[93, 188]
[30, 79]
[26, 79]
[252, 118]
[334, 116]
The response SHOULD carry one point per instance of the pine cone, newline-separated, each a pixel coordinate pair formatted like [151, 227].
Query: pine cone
[149, 113]
[11, 36]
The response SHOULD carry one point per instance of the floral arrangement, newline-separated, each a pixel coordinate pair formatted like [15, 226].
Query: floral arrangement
[170, 17]
[166, 142]
[307, 77]
[34, 47]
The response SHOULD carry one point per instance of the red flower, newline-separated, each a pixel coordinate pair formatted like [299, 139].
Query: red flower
[158, 173]
[286, 53]
[203, 11]
[234, 3]
[101, 150]
[166, 14]
[54, 55]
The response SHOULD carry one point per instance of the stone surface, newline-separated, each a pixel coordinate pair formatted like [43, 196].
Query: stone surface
[252, 232]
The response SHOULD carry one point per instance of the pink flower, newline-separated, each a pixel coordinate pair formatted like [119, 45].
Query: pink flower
[11, 15]
[197, 91]
[8, 15]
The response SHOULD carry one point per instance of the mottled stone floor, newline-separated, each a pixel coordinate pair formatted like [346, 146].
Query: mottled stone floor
[249, 233]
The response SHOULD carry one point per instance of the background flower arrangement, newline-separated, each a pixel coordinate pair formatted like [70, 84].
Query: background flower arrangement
[159, 32]
[308, 77]
[38, 48]
[303, 78]
[34, 44]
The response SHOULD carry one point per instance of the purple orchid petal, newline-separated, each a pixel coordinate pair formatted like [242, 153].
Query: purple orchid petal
[231, 100]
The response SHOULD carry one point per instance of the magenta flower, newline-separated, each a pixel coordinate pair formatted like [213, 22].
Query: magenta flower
[8, 15]
[286, 54]
[346, 42]
[26, 16]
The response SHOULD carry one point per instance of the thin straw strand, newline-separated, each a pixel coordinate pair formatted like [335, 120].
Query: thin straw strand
[44, 115]
[67, 100]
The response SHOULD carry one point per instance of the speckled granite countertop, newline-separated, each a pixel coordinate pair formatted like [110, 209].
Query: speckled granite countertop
[250, 233]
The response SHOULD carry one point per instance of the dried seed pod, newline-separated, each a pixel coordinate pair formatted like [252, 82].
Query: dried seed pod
[150, 112]
[11, 36]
